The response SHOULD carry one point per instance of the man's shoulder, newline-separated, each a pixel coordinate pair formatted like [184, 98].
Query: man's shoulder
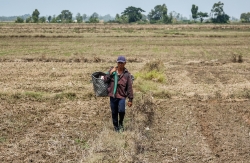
[127, 74]
[126, 71]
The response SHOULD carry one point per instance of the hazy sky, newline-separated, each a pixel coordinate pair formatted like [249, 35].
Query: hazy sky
[103, 7]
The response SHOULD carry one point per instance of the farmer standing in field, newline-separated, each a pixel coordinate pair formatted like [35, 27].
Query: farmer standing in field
[123, 90]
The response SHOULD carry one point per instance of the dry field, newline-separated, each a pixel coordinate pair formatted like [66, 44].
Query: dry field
[197, 112]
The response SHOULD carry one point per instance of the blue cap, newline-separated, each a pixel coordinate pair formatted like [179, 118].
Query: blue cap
[121, 59]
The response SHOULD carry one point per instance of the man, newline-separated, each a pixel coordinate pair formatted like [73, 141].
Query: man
[124, 90]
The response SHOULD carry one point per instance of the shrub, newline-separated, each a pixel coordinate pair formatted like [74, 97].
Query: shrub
[154, 65]
[28, 20]
[153, 70]
[151, 75]
[234, 59]
[240, 59]
[19, 20]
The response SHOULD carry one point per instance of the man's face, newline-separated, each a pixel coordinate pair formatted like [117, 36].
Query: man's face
[121, 65]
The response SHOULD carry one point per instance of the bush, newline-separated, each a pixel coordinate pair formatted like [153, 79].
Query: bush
[28, 20]
[19, 20]
[153, 71]
[240, 60]
[151, 75]
[42, 20]
[154, 65]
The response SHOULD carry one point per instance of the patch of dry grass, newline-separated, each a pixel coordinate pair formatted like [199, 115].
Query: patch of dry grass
[198, 113]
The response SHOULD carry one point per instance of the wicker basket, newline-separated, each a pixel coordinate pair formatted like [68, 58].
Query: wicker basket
[100, 87]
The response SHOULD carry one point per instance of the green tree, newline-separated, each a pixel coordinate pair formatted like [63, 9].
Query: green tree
[165, 14]
[124, 19]
[159, 14]
[176, 16]
[156, 14]
[132, 13]
[218, 14]
[28, 20]
[245, 17]
[59, 18]
[144, 17]
[94, 18]
[194, 11]
[49, 18]
[106, 18]
[84, 17]
[121, 18]
[66, 16]
[202, 15]
[42, 19]
[54, 20]
[117, 17]
[79, 18]
[217, 9]
[224, 18]
[19, 20]
[170, 19]
[35, 16]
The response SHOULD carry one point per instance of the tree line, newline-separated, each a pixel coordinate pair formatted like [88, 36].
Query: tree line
[64, 17]
[158, 15]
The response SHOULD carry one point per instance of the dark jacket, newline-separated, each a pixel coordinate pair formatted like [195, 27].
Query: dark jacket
[124, 85]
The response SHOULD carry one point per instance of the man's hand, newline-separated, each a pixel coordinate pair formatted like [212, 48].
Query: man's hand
[113, 70]
[130, 104]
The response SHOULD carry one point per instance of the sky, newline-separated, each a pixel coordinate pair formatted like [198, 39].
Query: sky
[103, 7]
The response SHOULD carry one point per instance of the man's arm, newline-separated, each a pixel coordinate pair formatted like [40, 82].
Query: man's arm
[130, 91]
[108, 77]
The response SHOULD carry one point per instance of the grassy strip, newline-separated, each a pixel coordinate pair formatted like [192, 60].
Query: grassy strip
[153, 75]
[41, 96]
[150, 79]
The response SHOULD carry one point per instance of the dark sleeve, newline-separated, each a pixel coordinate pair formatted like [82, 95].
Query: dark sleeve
[107, 78]
[130, 89]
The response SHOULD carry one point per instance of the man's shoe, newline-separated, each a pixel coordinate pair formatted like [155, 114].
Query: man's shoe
[116, 129]
[121, 128]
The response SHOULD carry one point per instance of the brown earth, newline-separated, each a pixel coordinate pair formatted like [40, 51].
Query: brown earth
[48, 111]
